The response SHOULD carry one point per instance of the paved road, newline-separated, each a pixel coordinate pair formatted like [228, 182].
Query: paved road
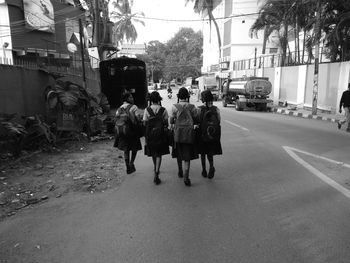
[266, 204]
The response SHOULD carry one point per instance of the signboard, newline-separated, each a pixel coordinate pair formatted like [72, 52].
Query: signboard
[39, 15]
[134, 49]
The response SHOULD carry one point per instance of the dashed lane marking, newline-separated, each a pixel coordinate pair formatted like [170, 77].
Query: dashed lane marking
[236, 125]
[291, 151]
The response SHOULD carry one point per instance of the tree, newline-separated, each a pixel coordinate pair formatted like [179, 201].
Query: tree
[180, 57]
[124, 29]
[184, 54]
[275, 15]
[296, 15]
[207, 6]
[155, 60]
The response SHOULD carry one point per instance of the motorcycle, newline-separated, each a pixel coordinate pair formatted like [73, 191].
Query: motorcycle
[170, 93]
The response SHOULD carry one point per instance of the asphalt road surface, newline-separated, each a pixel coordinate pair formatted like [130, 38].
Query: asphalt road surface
[280, 194]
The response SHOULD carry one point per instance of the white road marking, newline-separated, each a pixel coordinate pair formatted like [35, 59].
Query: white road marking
[236, 125]
[316, 172]
[319, 157]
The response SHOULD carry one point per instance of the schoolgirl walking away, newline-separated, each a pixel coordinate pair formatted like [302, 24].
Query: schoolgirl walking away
[127, 135]
[183, 117]
[209, 133]
[155, 119]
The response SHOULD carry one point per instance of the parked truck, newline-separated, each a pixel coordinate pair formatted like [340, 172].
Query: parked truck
[247, 92]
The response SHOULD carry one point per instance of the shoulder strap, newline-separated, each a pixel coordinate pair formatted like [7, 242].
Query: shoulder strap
[160, 112]
[150, 111]
[128, 107]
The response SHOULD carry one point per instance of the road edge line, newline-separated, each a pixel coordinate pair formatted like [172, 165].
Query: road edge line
[317, 173]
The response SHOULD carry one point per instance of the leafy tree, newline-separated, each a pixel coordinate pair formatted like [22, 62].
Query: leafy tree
[207, 6]
[275, 15]
[287, 16]
[155, 60]
[180, 57]
[124, 29]
[184, 54]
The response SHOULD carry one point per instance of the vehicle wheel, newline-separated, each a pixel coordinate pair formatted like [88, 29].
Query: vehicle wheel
[261, 107]
[238, 108]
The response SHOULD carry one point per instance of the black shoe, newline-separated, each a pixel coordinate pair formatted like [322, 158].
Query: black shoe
[128, 169]
[211, 172]
[156, 179]
[180, 174]
[204, 173]
[339, 125]
[132, 168]
[187, 181]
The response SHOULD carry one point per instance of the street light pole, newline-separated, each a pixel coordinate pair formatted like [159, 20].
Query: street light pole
[317, 47]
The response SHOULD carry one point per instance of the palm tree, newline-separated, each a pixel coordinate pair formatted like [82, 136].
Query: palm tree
[276, 15]
[207, 6]
[124, 28]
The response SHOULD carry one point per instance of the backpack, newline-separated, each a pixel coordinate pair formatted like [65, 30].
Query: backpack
[123, 123]
[155, 132]
[210, 124]
[183, 132]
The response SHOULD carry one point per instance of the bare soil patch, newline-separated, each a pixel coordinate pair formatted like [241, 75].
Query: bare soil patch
[75, 166]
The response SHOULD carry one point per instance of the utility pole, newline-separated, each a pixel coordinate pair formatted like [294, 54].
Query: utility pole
[96, 37]
[317, 48]
[82, 52]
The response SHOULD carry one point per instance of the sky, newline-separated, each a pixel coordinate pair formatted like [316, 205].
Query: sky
[166, 10]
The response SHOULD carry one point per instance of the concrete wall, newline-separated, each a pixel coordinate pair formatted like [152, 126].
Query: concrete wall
[22, 90]
[295, 84]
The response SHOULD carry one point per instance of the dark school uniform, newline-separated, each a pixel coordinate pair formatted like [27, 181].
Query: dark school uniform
[212, 148]
[162, 149]
[132, 143]
[185, 151]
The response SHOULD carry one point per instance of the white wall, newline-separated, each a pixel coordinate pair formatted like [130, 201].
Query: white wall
[295, 84]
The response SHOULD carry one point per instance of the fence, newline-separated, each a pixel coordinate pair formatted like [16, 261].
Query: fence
[275, 60]
[61, 64]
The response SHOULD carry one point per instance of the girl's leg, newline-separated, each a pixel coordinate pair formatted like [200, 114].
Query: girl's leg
[157, 162]
[187, 180]
[154, 163]
[132, 160]
[179, 166]
[204, 169]
[211, 166]
[127, 161]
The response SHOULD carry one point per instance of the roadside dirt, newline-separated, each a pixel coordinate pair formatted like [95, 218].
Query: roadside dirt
[75, 166]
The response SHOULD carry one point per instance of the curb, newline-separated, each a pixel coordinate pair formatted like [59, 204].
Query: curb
[304, 115]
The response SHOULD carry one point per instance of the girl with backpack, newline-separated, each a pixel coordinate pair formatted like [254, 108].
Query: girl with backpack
[183, 117]
[209, 133]
[127, 138]
[155, 119]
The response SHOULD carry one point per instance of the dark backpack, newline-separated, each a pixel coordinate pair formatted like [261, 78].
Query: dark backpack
[210, 124]
[123, 124]
[155, 130]
[183, 132]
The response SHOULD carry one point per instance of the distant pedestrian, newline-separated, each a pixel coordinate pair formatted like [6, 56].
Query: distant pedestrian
[183, 117]
[209, 133]
[345, 103]
[127, 135]
[155, 119]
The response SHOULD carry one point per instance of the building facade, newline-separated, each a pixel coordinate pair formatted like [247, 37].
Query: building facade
[39, 30]
[235, 18]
